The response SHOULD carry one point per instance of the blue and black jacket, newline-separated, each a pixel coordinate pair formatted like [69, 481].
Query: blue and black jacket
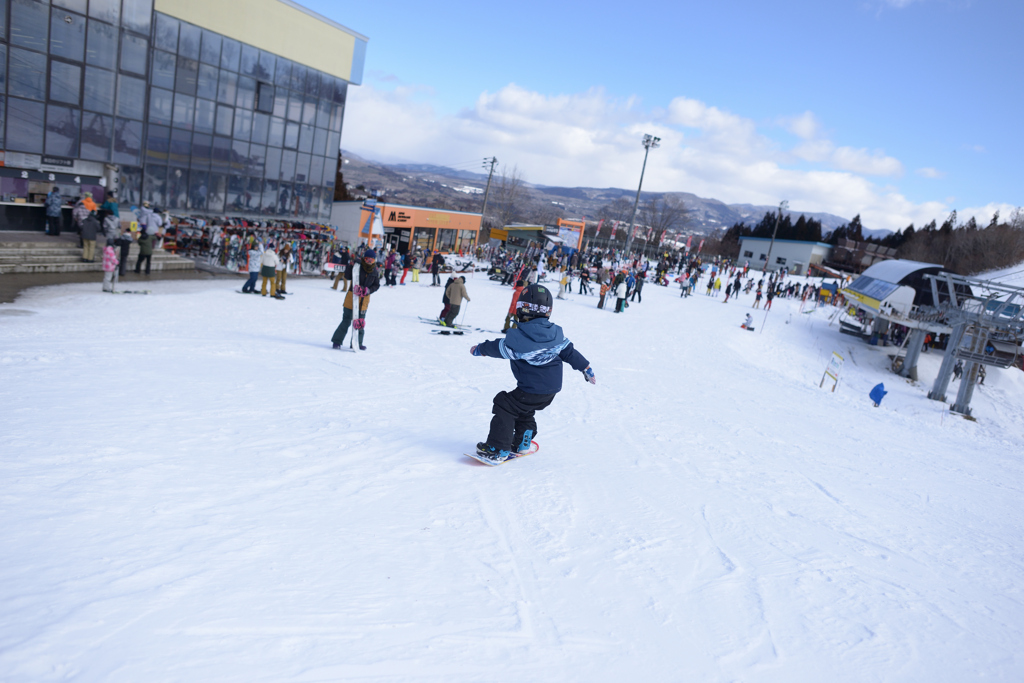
[536, 350]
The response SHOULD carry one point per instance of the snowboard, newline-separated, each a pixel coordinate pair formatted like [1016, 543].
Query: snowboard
[490, 463]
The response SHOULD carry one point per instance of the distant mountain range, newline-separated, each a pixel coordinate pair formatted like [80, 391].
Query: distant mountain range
[448, 188]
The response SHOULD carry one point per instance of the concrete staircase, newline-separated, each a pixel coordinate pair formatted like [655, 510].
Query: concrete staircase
[66, 257]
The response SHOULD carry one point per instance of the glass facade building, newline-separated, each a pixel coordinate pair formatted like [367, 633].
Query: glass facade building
[155, 101]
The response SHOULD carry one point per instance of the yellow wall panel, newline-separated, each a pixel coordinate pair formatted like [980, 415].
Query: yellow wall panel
[273, 26]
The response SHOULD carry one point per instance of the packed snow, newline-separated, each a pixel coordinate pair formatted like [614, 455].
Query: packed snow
[196, 487]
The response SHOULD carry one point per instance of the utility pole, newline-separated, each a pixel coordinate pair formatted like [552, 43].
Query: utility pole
[649, 142]
[782, 207]
[483, 212]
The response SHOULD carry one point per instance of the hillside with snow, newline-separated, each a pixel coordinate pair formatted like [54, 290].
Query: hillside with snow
[197, 487]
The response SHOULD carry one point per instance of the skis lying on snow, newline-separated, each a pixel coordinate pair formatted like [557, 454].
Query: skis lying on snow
[448, 332]
[494, 463]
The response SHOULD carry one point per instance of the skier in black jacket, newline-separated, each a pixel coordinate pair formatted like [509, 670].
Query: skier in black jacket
[536, 350]
[369, 282]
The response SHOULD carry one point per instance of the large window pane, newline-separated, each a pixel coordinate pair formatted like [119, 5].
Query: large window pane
[206, 86]
[225, 120]
[243, 124]
[239, 157]
[257, 159]
[336, 112]
[330, 169]
[65, 82]
[154, 187]
[250, 60]
[316, 171]
[326, 90]
[284, 199]
[246, 93]
[127, 144]
[107, 10]
[333, 145]
[295, 107]
[184, 110]
[136, 15]
[323, 114]
[313, 84]
[188, 41]
[302, 168]
[131, 98]
[282, 76]
[265, 67]
[210, 53]
[202, 150]
[157, 144]
[273, 162]
[218, 189]
[280, 102]
[221, 154]
[166, 34]
[205, 113]
[198, 189]
[230, 51]
[177, 188]
[265, 98]
[314, 204]
[227, 87]
[163, 69]
[161, 106]
[186, 76]
[291, 135]
[260, 128]
[97, 134]
[27, 75]
[25, 125]
[30, 23]
[101, 46]
[253, 194]
[326, 203]
[62, 128]
[130, 185]
[276, 135]
[340, 90]
[67, 35]
[320, 141]
[133, 54]
[99, 91]
[269, 202]
[306, 139]
[181, 147]
[298, 82]
[288, 165]
[309, 110]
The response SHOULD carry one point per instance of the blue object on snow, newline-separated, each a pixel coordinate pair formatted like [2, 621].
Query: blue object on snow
[878, 393]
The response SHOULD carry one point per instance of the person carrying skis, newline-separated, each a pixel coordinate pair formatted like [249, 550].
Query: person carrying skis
[369, 282]
[536, 350]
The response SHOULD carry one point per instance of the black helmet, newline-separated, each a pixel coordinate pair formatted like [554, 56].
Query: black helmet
[534, 302]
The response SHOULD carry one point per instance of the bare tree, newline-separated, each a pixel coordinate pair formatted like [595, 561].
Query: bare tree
[508, 196]
[618, 210]
[661, 214]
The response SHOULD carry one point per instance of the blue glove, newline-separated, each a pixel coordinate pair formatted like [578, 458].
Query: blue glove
[588, 375]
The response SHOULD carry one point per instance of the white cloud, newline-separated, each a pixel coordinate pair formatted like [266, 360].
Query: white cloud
[929, 172]
[592, 139]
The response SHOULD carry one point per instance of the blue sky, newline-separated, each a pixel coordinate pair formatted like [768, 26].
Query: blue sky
[899, 110]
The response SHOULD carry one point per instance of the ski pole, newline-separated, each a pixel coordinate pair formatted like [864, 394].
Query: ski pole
[463, 321]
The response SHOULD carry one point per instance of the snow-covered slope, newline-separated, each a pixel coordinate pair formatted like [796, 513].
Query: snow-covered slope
[196, 487]
[1013, 276]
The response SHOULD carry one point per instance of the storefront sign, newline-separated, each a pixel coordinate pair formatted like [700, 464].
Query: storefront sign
[59, 162]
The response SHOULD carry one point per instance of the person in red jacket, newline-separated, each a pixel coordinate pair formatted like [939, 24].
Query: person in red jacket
[510, 318]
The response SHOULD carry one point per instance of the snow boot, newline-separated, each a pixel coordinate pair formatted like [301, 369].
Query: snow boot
[491, 453]
[336, 346]
[525, 442]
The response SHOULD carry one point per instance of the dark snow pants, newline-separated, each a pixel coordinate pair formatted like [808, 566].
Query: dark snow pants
[342, 330]
[513, 415]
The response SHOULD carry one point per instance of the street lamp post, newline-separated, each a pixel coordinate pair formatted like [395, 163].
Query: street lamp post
[782, 207]
[649, 142]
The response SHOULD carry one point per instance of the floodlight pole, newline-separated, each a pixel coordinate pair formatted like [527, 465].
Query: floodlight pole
[649, 142]
[782, 207]
[492, 161]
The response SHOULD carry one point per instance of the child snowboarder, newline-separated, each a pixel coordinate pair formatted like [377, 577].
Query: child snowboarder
[110, 262]
[536, 349]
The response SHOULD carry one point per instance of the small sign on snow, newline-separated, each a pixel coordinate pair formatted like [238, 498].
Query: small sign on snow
[835, 366]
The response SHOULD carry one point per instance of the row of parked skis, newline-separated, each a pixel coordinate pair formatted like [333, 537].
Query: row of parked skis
[452, 329]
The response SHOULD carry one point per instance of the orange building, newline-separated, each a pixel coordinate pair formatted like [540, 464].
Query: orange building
[434, 229]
